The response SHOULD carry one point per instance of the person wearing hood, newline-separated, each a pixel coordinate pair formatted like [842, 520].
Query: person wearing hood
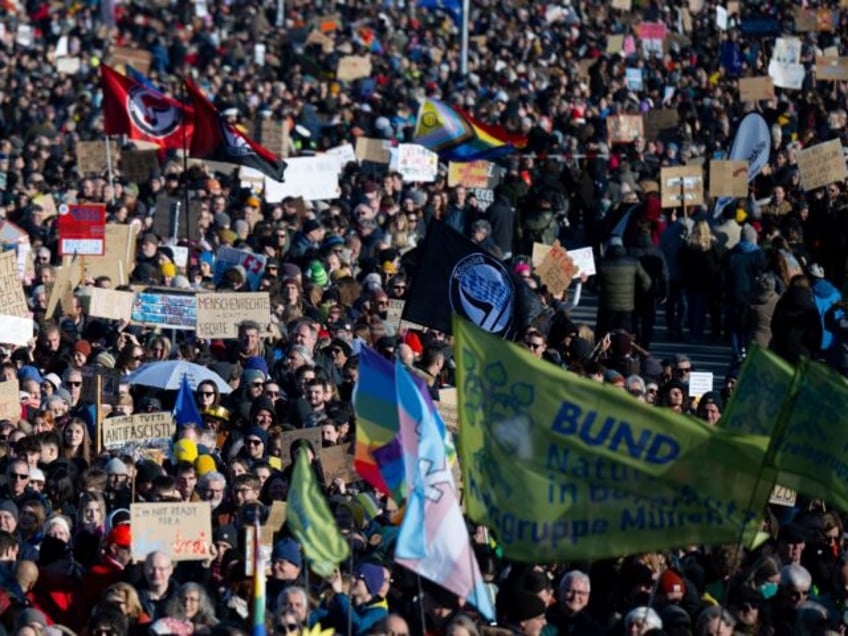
[825, 295]
[761, 310]
[747, 261]
[796, 326]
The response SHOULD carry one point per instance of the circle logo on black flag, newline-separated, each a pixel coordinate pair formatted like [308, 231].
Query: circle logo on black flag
[152, 113]
[482, 291]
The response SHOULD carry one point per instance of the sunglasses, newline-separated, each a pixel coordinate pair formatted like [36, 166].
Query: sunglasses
[207, 393]
[255, 384]
[534, 345]
[253, 442]
[74, 383]
[19, 477]
[141, 357]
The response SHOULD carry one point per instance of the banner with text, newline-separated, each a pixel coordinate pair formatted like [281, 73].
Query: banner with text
[147, 430]
[219, 314]
[181, 530]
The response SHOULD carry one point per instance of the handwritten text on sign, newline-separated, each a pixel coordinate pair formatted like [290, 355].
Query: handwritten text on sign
[181, 530]
[141, 427]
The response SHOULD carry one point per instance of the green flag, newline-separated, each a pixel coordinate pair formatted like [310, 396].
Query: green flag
[562, 467]
[755, 404]
[809, 446]
[311, 521]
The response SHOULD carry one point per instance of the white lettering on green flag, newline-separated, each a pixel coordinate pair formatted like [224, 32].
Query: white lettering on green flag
[560, 467]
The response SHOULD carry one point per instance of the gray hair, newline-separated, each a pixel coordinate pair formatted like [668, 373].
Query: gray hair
[205, 611]
[716, 611]
[794, 575]
[570, 577]
[292, 590]
[645, 616]
[633, 380]
[209, 477]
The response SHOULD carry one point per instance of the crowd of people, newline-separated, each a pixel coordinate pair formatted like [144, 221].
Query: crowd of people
[769, 269]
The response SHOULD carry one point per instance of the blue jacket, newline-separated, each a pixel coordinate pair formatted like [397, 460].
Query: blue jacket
[362, 618]
[825, 296]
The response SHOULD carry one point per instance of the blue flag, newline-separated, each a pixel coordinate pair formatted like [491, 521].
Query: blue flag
[185, 408]
[451, 7]
[137, 76]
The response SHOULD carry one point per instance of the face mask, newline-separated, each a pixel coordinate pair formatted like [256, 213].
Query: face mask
[768, 590]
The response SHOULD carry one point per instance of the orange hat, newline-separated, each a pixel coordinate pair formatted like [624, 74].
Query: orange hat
[120, 536]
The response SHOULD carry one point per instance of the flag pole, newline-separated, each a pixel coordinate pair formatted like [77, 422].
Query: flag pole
[350, 605]
[98, 414]
[466, 5]
[185, 173]
[109, 168]
[421, 604]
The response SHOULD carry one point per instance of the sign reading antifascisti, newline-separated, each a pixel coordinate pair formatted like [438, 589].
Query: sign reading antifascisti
[139, 428]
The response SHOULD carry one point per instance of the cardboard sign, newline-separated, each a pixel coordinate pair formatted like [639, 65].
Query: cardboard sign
[375, 150]
[783, 496]
[118, 257]
[183, 531]
[138, 166]
[813, 20]
[753, 89]
[91, 156]
[353, 67]
[417, 164]
[832, 69]
[170, 310]
[394, 312]
[728, 178]
[471, 174]
[82, 229]
[621, 5]
[822, 164]
[219, 314]
[228, 257]
[275, 136]
[448, 409]
[556, 270]
[10, 401]
[700, 382]
[312, 435]
[68, 276]
[323, 40]
[111, 304]
[624, 129]
[137, 429]
[615, 44]
[327, 23]
[137, 58]
[337, 462]
[12, 299]
[110, 385]
[48, 204]
[660, 120]
[681, 186]
[68, 65]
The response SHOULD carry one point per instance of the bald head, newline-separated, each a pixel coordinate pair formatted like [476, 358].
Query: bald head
[405, 354]
[26, 573]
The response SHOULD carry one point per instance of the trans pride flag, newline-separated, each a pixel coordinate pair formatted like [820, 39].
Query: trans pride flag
[433, 540]
[378, 456]
[456, 136]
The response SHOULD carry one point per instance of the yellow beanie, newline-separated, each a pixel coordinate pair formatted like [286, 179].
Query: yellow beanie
[185, 450]
[204, 464]
[169, 270]
[741, 215]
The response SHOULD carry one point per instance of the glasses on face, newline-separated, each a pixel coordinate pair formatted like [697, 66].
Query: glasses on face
[748, 607]
[19, 477]
[533, 345]
[252, 441]
[207, 393]
[73, 384]
[137, 358]
[684, 369]
[257, 384]
[244, 491]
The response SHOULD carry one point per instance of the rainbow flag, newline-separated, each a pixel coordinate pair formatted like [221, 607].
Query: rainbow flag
[258, 585]
[433, 540]
[378, 455]
[456, 136]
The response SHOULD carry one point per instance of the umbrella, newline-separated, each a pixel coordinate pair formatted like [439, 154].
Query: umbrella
[167, 374]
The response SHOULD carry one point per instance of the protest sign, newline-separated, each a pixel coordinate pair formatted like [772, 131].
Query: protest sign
[622, 5]
[12, 299]
[91, 156]
[16, 330]
[700, 382]
[311, 435]
[394, 312]
[822, 164]
[139, 429]
[353, 67]
[337, 462]
[110, 385]
[183, 531]
[785, 68]
[313, 178]
[275, 137]
[168, 309]
[48, 205]
[832, 69]
[658, 121]
[321, 39]
[11, 234]
[471, 174]
[633, 79]
[138, 166]
[809, 19]
[118, 257]
[417, 164]
[448, 408]
[753, 89]
[624, 129]
[560, 466]
[681, 185]
[783, 496]
[139, 59]
[728, 178]
[345, 153]
[68, 65]
[228, 257]
[652, 31]
[25, 35]
[556, 270]
[375, 150]
[68, 276]
[327, 23]
[82, 229]
[615, 43]
[721, 18]
[219, 314]
[111, 304]
[10, 401]
[584, 260]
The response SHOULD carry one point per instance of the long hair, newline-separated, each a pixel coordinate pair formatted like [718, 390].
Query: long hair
[205, 611]
[129, 596]
[84, 450]
[701, 237]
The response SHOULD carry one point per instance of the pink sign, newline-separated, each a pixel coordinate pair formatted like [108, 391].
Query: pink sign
[652, 31]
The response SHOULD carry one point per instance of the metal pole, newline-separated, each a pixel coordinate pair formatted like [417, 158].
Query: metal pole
[466, 7]
[280, 13]
[109, 168]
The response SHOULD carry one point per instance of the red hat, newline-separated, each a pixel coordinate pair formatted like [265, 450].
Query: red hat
[83, 347]
[671, 582]
[120, 536]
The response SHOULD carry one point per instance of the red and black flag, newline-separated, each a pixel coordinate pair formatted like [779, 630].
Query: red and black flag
[141, 112]
[218, 140]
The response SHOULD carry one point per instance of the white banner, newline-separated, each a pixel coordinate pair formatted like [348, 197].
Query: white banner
[313, 178]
